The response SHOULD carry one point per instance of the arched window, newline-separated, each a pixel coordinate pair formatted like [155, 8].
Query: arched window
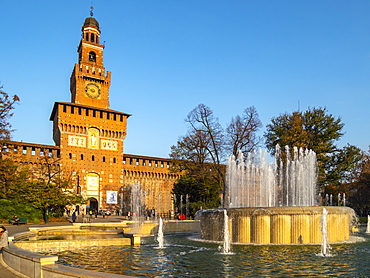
[82, 157]
[92, 56]
[93, 158]
[103, 158]
[70, 156]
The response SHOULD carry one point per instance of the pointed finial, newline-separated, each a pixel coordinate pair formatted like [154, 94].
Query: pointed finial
[91, 11]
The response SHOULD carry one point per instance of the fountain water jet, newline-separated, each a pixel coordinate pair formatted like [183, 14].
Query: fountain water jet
[160, 236]
[274, 203]
[368, 225]
[325, 247]
[226, 249]
[136, 205]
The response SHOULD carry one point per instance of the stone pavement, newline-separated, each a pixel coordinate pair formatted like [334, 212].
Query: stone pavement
[5, 272]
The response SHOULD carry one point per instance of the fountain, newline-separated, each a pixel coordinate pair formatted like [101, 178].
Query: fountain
[274, 203]
[226, 249]
[160, 236]
[325, 247]
[136, 205]
[368, 225]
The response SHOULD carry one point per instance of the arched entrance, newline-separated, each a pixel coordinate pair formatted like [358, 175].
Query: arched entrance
[93, 204]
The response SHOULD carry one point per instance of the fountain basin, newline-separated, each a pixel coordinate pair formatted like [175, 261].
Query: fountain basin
[277, 225]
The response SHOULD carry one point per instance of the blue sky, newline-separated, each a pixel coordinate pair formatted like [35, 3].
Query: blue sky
[166, 57]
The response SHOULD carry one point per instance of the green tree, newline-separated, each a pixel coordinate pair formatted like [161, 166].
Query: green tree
[202, 193]
[344, 165]
[317, 130]
[359, 190]
[25, 191]
[50, 188]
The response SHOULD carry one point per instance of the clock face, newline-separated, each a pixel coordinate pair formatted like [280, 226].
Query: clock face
[92, 90]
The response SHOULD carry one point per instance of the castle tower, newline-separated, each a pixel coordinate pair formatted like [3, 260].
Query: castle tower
[89, 134]
[89, 80]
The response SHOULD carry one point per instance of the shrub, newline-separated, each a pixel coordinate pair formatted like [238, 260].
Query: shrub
[9, 208]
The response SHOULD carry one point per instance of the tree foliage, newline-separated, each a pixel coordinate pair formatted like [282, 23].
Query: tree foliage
[317, 130]
[359, 190]
[6, 106]
[202, 193]
[25, 191]
[203, 150]
[35, 189]
[50, 187]
[345, 165]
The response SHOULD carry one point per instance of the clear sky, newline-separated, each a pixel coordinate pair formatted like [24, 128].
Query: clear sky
[168, 56]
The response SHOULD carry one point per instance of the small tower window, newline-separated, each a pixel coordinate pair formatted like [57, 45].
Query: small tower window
[92, 38]
[92, 56]
[87, 36]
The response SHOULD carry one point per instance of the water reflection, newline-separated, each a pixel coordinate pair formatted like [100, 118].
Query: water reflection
[185, 258]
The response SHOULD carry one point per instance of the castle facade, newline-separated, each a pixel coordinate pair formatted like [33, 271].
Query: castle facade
[89, 141]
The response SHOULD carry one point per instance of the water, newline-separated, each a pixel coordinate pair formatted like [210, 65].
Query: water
[325, 247]
[160, 236]
[136, 205]
[254, 182]
[226, 248]
[186, 258]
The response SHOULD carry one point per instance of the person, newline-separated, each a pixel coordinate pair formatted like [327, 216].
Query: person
[3, 238]
[14, 220]
[74, 216]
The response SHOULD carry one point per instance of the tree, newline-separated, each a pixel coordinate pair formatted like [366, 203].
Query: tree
[344, 165]
[359, 190]
[202, 151]
[50, 188]
[317, 130]
[6, 106]
[202, 193]
[241, 132]
[30, 191]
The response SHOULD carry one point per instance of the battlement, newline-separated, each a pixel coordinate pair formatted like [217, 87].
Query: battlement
[29, 152]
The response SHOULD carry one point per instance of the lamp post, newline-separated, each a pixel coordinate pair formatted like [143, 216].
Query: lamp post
[121, 200]
[78, 185]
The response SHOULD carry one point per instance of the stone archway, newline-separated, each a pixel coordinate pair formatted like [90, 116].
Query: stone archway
[93, 204]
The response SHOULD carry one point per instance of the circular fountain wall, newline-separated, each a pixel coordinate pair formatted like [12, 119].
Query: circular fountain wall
[274, 203]
[276, 225]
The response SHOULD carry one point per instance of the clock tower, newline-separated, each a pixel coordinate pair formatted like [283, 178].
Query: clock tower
[90, 134]
[89, 80]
